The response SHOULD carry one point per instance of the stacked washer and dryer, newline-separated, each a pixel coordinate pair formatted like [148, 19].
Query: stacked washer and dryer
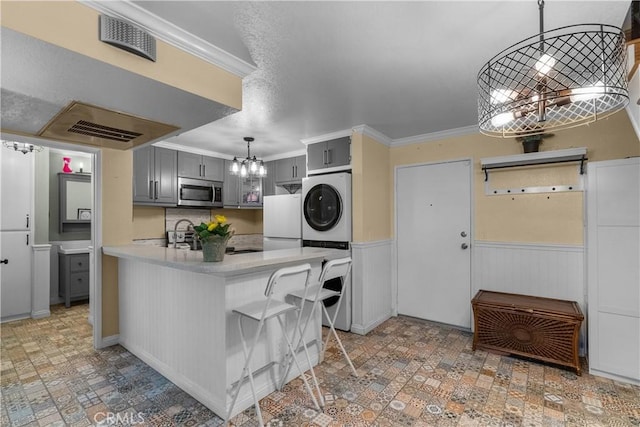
[326, 209]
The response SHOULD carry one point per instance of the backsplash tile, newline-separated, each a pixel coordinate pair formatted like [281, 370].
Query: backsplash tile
[173, 215]
[197, 216]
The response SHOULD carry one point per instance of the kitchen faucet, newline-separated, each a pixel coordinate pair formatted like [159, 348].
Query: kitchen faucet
[175, 230]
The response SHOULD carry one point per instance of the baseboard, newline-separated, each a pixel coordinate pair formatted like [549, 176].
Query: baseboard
[365, 329]
[15, 318]
[109, 341]
[622, 379]
[172, 375]
[40, 314]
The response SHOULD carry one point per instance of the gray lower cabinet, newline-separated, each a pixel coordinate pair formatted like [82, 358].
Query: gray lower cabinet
[155, 178]
[329, 154]
[291, 170]
[73, 277]
[200, 167]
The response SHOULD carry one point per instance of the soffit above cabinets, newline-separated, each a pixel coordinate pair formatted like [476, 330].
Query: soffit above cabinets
[41, 80]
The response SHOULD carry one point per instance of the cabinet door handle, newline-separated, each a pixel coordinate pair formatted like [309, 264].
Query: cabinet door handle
[27, 240]
[155, 193]
[4, 261]
[329, 160]
[324, 157]
[150, 193]
[199, 170]
[204, 170]
[293, 171]
[27, 220]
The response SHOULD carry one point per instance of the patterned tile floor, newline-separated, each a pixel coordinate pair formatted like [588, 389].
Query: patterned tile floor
[411, 373]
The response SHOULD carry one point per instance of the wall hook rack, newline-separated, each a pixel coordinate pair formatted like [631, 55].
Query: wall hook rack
[530, 159]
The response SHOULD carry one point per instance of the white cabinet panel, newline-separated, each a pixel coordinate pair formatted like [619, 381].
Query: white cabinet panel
[15, 275]
[618, 189]
[618, 272]
[613, 268]
[16, 184]
[619, 339]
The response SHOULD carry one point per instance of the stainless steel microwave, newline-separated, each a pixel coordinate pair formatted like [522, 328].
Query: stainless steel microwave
[199, 192]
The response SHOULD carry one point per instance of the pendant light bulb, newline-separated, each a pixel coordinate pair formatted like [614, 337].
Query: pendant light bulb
[588, 92]
[235, 167]
[253, 165]
[262, 171]
[545, 64]
[502, 119]
[243, 169]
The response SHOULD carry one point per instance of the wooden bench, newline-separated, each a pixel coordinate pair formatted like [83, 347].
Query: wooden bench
[544, 329]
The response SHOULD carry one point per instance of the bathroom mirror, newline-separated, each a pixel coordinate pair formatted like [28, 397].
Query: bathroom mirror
[75, 202]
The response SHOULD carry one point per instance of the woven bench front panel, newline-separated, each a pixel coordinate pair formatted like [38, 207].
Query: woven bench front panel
[526, 333]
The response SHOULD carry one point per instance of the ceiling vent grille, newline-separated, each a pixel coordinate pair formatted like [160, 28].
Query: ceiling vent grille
[84, 127]
[126, 36]
[87, 124]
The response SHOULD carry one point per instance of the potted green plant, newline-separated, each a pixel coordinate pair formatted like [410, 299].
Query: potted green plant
[214, 236]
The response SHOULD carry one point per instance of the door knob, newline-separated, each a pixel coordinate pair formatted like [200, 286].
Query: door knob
[464, 246]
[4, 261]
[463, 234]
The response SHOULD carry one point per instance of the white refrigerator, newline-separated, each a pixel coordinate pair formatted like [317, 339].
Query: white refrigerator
[282, 219]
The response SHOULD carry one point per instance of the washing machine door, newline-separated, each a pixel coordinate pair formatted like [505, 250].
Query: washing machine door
[322, 207]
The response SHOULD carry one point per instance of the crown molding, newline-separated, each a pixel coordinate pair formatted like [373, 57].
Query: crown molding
[327, 136]
[193, 150]
[436, 136]
[295, 153]
[372, 133]
[173, 35]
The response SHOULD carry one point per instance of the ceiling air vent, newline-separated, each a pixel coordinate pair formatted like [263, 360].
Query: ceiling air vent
[91, 125]
[92, 129]
[126, 36]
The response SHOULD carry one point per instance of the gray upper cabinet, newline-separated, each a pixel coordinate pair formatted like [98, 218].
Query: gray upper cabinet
[241, 192]
[200, 167]
[230, 187]
[290, 170]
[155, 176]
[329, 154]
[269, 182]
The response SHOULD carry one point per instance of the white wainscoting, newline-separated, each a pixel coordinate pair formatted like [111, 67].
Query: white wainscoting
[371, 294]
[544, 270]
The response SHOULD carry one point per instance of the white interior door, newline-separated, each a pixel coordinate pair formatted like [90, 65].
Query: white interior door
[433, 217]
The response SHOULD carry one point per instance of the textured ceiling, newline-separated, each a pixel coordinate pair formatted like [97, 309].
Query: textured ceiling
[402, 68]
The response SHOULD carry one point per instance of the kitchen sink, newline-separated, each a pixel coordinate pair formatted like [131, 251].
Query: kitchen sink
[241, 251]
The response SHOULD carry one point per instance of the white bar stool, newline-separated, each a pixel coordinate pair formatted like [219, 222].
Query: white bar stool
[316, 294]
[261, 311]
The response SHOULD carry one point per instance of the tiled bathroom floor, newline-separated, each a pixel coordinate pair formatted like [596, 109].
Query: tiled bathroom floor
[411, 373]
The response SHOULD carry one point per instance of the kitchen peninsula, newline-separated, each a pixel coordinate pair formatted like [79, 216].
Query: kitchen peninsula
[176, 315]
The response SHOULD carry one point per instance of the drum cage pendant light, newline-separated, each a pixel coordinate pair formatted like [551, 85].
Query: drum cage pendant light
[554, 80]
[250, 165]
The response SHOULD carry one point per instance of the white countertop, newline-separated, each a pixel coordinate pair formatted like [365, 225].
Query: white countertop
[232, 264]
[73, 251]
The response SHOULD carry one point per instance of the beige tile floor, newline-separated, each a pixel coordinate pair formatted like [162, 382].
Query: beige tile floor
[411, 373]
